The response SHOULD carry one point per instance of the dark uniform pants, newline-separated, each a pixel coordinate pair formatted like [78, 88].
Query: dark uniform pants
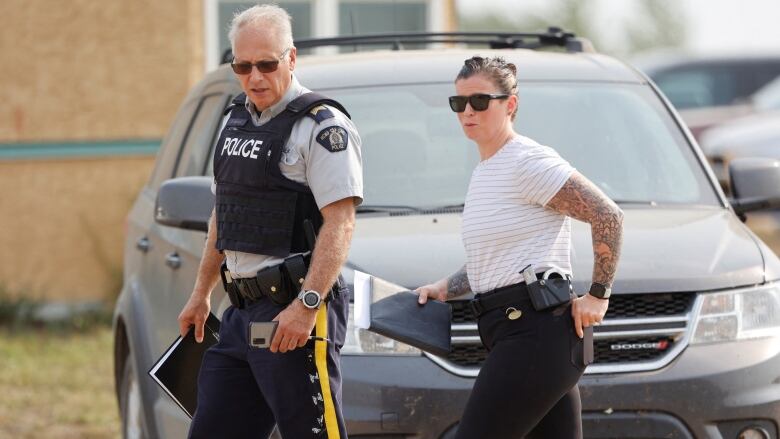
[527, 387]
[243, 392]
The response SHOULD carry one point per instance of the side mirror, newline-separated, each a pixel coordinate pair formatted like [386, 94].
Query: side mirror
[185, 202]
[755, 183]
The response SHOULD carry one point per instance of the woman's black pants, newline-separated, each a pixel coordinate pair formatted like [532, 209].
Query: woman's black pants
[527, 387]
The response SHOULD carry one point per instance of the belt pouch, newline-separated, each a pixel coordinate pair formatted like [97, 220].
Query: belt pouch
[230, 287]
[549, 293]
[271, 284]
[295, 269]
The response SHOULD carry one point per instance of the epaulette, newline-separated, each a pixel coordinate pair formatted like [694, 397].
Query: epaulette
[320, 113]
[235, 102]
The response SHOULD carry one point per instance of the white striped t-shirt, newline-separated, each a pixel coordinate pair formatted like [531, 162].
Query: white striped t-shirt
[505, 224]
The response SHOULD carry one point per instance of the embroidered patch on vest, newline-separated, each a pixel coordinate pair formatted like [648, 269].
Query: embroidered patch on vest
[334, 139]
[237, 122]
[320, 113]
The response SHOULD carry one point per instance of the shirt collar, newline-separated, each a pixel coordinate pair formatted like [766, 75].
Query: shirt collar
[293, 91]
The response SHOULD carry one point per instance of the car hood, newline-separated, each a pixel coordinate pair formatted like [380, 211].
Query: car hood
[754, 135]
[664, 250]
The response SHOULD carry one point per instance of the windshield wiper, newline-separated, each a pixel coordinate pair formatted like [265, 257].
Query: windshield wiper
[449, 206]
[643, 202]
[365, 208]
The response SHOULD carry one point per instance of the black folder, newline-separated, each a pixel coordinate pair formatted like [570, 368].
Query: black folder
[177, 369]
[398, 315]
[402, 318]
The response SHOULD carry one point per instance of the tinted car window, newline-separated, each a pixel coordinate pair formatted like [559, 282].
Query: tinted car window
[621, 137]
[706, 84]
[699, 86]
[171, 145]
[201, 136]
[766, 73]
[768, 98]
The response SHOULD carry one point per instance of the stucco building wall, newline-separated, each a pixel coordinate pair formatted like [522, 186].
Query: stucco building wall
[83, 71]
[95, 69]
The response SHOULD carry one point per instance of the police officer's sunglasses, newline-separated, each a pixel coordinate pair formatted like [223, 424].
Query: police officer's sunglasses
[245, 68]
[479, 101]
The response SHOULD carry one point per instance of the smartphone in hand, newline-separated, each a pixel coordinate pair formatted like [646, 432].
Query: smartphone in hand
[261, 334]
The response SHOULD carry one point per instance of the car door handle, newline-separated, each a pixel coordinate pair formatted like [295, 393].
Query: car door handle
[173, 260]
[143, 244]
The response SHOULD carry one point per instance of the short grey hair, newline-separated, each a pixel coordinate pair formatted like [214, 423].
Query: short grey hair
[263, 16]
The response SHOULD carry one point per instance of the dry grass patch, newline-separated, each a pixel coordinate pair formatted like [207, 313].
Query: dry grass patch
[57, 385]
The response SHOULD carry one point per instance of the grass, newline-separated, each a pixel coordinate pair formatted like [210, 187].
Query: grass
[57, 383]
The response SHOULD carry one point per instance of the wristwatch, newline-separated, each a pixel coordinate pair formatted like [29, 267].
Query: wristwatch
[310, 299]
[600, 291]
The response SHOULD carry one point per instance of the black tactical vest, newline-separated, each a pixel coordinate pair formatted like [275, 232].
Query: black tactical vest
[258, 209]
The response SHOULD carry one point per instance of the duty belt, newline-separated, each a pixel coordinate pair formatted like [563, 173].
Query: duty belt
[544, 293]
[499, 298]
[280, 283]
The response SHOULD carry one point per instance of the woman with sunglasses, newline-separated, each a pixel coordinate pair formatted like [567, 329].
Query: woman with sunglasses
[516, 221]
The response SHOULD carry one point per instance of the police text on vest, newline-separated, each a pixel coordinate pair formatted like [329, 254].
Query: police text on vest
[242, 147]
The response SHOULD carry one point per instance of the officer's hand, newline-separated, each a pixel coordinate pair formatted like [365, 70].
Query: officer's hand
[587, 311]
[295, 325]
[436, 291]
[195, 312]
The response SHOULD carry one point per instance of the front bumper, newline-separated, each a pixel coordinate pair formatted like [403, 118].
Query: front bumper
[709, 391]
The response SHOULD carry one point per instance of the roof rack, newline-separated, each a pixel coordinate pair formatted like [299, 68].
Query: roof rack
[553, 37]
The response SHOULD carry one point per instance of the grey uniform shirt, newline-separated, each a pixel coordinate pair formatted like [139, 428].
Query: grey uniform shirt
[331, 176]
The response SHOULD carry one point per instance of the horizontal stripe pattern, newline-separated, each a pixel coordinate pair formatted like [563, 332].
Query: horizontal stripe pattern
[505, 224]
[86, 149]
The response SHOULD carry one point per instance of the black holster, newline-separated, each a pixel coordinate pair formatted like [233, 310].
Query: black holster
[549, 293]
[230, 287]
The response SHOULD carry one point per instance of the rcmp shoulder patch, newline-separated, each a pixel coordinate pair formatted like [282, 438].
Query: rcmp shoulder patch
[320, 113]
[334, 138]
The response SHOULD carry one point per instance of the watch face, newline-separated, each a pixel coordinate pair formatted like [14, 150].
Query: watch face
[311, 298]
[598, 290]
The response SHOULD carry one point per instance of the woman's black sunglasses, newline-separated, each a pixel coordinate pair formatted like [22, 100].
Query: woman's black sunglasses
[479, 102]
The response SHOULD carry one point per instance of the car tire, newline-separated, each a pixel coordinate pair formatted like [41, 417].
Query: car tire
[130, 403]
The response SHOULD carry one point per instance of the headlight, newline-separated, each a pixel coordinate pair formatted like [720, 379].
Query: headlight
[738, 315]
[363, 342]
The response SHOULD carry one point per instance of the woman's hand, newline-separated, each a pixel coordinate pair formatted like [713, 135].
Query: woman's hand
[587, 311]
[437, 291]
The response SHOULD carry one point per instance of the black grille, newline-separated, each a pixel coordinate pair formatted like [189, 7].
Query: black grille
[621, 306]
[461, 312]
[607, 351]
[468, 355]
[648, 305]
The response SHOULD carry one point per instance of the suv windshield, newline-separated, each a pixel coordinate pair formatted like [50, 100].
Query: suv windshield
[618, 135]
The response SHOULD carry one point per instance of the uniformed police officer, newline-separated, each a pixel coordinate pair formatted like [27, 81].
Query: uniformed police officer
[285, 157]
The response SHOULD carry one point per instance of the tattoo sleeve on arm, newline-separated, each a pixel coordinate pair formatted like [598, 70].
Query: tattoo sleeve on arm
[458, 284]
[580, 199]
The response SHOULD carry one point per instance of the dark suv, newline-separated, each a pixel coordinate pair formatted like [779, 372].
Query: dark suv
[690, 346]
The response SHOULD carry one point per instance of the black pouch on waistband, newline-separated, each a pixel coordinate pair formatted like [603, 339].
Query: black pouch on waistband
[273, 285]
[295, 269]
[230, 287]
[549, 293]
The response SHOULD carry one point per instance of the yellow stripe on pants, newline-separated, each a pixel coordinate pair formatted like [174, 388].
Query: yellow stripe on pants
[321, 362]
